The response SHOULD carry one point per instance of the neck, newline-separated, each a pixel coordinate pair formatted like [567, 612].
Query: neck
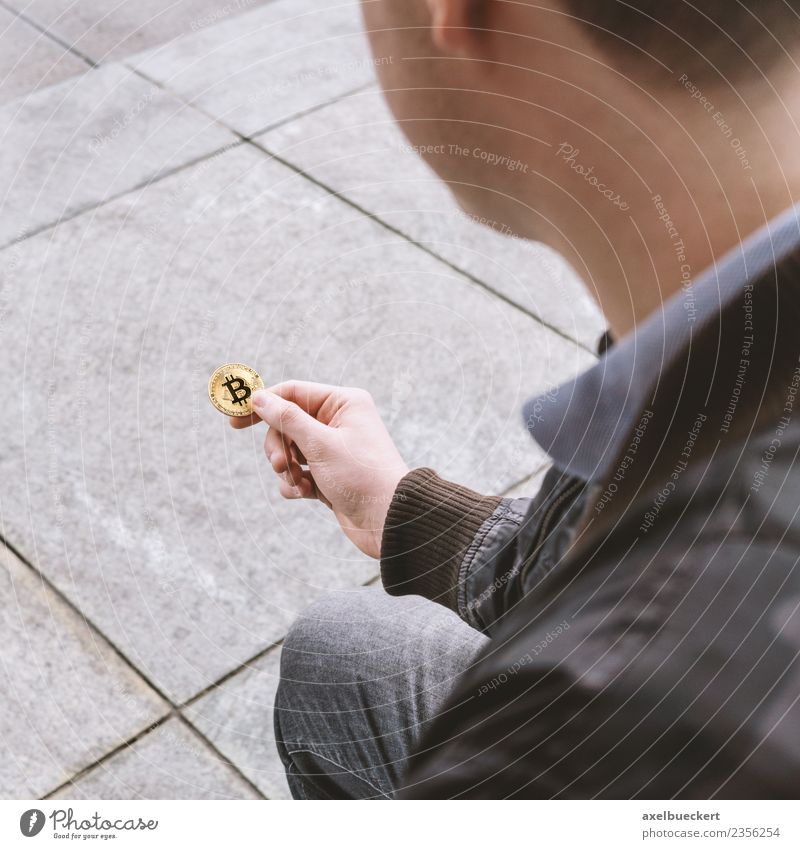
[683, 192]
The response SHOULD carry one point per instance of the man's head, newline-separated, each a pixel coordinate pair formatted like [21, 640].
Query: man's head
[554, 118]
[711, 39]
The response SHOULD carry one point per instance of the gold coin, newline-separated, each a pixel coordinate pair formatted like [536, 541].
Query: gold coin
[231, 386]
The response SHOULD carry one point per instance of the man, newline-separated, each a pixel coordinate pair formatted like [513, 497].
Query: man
[634, 629]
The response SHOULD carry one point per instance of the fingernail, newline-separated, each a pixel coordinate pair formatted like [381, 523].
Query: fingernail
[259, 399]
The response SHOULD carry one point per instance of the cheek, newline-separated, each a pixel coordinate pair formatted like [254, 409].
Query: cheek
[392, 27]
[398, 32]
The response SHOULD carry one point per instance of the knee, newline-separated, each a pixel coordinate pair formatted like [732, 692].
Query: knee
[322, 637]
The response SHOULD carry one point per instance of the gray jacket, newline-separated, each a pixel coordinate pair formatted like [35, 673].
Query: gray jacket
[645, 623]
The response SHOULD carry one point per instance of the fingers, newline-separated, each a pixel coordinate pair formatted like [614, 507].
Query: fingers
[294, 433]
[297, 487]
[277, 448]
[319, 400]
[310, 397]
[299, 456]
[239, 422]
[282, 455]
[290, 419]
[288, 491]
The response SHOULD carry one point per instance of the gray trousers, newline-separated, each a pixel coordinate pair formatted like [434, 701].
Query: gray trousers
[362, 675]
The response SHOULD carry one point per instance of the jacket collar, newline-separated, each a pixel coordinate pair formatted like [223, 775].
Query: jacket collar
[587, 423]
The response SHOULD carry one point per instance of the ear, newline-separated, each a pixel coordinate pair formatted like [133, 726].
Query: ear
[455, 25]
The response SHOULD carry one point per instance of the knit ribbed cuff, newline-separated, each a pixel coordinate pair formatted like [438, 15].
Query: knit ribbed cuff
[430, 524]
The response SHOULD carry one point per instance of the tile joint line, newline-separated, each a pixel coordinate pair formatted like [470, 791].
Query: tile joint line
[49, 34]
[174, 709]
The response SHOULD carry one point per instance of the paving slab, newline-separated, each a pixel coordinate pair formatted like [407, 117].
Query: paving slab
[90, 138]
[135, 496]
[29, 60]
[268, 65]
[66, 697]
[169, 762]
[355, 147]
[237, 718]
[106, 30]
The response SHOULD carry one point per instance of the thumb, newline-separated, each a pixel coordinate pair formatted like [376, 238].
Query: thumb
[288, 418]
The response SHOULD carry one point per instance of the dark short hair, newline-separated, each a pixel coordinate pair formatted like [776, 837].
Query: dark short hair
[727, 37]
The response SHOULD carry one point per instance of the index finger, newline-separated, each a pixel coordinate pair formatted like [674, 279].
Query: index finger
[309, 396]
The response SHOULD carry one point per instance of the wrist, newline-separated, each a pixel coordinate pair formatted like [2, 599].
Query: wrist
[383, 506]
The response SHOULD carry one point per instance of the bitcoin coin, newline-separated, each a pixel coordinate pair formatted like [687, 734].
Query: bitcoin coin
[231, 386]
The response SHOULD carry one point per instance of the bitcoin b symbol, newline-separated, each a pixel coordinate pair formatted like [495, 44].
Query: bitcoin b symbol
[236, 385]
[231, 388]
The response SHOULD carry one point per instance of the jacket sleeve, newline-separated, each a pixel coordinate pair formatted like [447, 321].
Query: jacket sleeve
[477, 555]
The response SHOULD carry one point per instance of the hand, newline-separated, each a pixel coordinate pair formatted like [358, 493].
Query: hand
[352, 464]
